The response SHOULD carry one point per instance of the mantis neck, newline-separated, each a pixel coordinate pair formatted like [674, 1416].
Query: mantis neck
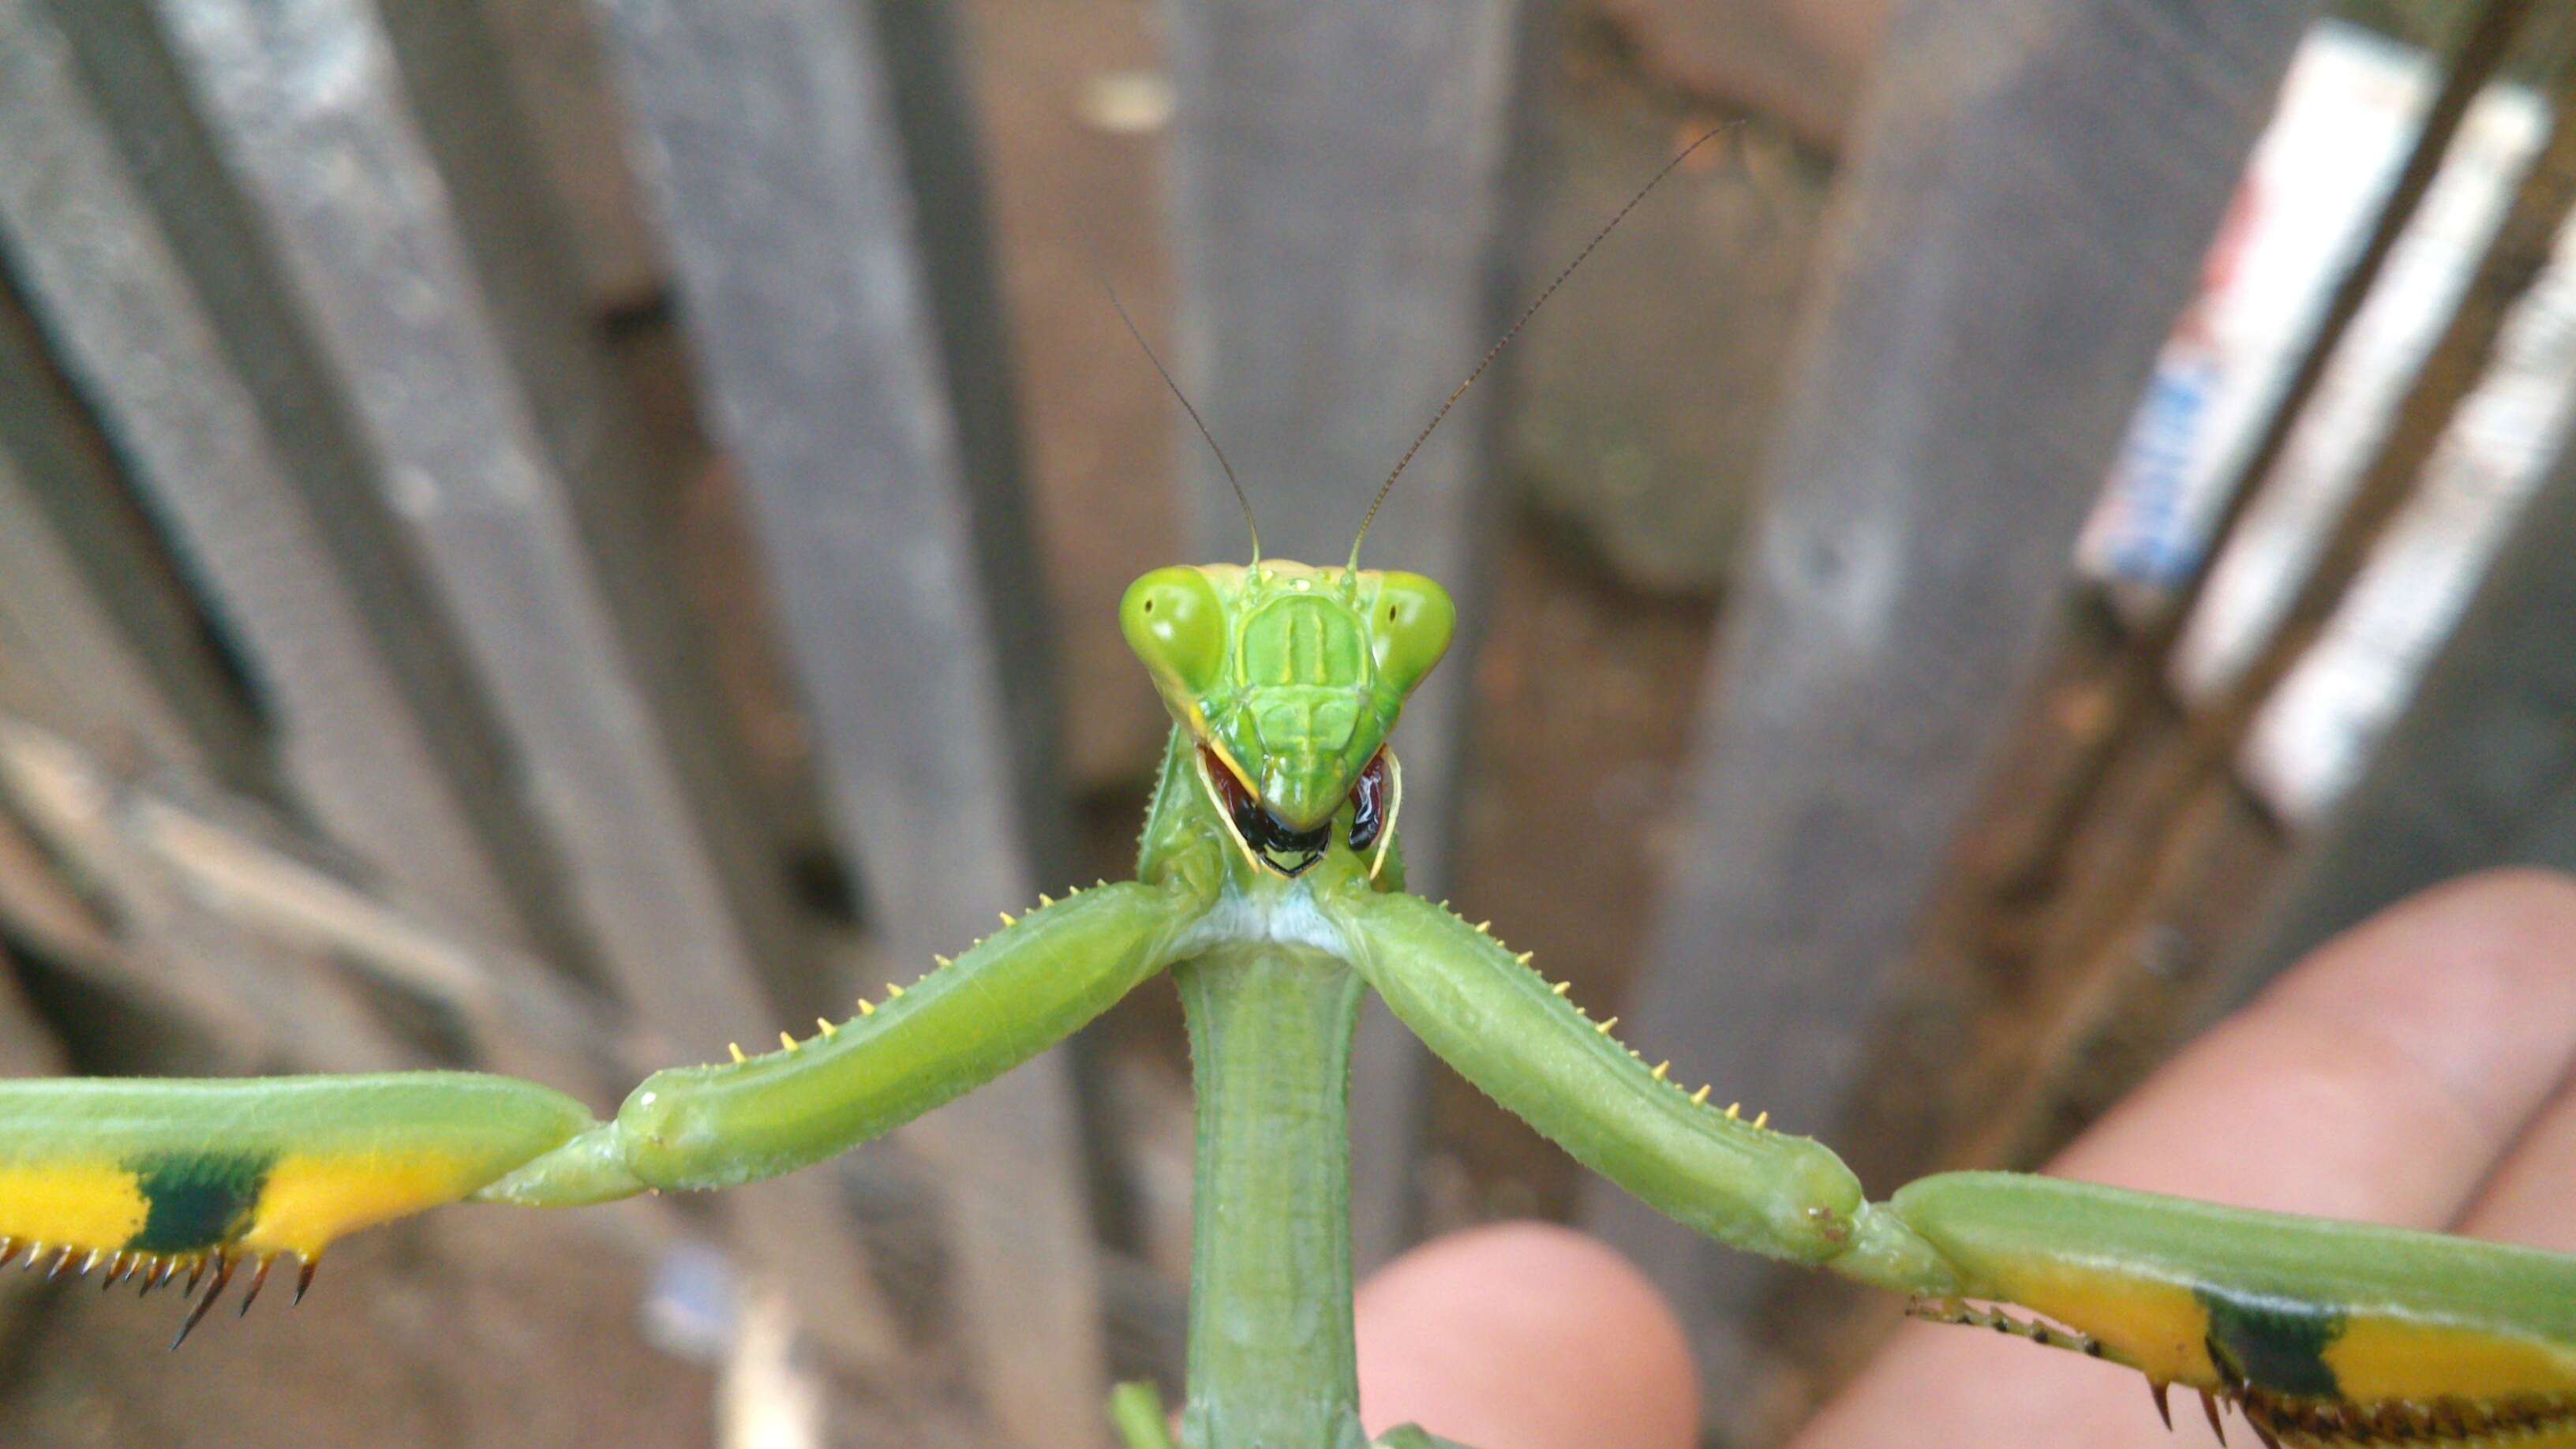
[1271, 1361]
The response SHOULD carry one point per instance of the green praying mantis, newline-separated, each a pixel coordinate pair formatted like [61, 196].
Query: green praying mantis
[1270, 882]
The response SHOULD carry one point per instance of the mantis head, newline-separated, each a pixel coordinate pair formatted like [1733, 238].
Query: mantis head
[1289, 677]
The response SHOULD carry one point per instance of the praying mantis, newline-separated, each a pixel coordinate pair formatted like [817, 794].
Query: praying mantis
[1270, 883]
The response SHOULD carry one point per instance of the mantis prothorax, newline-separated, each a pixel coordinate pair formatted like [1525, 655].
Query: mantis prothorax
[1270, 882]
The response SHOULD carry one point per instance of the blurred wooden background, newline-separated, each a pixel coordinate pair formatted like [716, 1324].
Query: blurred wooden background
[556, 534]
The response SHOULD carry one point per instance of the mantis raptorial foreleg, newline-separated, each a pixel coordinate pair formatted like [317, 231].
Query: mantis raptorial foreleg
[1013, 995]
[148, 1177]
[2323, 1332]
[1506, 1029]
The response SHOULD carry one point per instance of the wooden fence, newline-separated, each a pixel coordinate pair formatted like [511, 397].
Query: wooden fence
[348, 669]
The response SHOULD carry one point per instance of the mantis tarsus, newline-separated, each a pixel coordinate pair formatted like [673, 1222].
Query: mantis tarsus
[1270, 882]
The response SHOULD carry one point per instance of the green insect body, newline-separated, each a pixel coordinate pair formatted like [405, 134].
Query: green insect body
[1270, 881]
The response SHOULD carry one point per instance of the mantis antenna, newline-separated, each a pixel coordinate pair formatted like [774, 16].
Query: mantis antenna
[1200, 423]
[1515, 329]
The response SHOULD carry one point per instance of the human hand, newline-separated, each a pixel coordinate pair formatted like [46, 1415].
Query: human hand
[2419, 1070]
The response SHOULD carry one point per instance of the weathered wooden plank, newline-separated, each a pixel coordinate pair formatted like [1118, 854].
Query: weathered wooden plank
[28, 1047]
[1800, 65]
[2029, 196]
[829, 269]
[2480, 770]
[65, 662]
[225, 251]
[280, 994]
[522, 1019]
[100, 269]
[178, 885]
[618, 496]
[1342, 179]
[94, 606]
[558, 71]
[307, 104]
[72, 933]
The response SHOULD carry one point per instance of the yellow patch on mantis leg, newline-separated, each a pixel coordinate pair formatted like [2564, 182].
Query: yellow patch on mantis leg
[2159, 1328]
[2379, 1358]
[85, 1204]
[311, 1199]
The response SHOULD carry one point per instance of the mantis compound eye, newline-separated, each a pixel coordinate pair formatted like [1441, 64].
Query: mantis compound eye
[1410, 624]
[1368, 804]
[1175, 622]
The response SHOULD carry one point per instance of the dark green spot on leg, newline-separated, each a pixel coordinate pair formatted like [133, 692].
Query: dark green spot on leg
[2274, 1344]
[196, 1200]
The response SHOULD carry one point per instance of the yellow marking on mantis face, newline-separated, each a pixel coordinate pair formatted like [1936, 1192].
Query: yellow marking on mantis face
[1225, 818]
[308, 1200]
[2378, 1358]
[88, 1204]
[1203, 735]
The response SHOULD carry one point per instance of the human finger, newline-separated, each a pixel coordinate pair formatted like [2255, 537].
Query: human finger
[1525, 1336]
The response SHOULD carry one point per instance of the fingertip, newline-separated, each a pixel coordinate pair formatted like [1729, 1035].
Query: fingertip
[2378, 1079]
[2490, 946]
[2526, 896]
[1525, 1335]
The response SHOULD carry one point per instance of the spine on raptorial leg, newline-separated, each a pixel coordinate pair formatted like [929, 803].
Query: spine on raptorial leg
[147, 1177]
[1007, 999]
[1714, 1168]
